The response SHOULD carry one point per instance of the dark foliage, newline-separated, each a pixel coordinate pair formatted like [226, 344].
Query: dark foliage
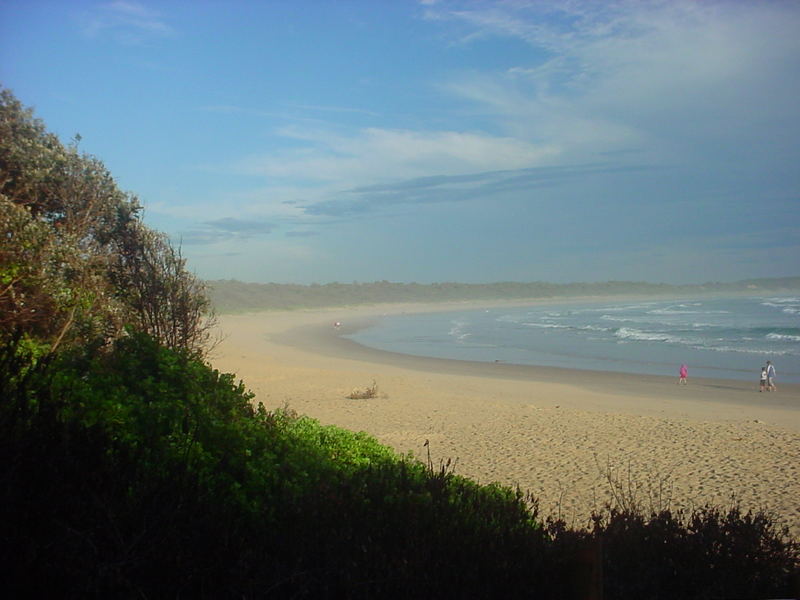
[710, 553]
[143, 472]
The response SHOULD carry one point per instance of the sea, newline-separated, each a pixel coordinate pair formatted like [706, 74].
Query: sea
[722, 338]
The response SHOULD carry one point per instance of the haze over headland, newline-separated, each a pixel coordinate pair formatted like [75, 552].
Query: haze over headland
[230, 296]
[440, 140]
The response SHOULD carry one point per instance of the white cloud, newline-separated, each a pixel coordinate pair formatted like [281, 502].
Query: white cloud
[273, 203]
[373, 155]
[673, 85]
[605, 75]
[126, 22]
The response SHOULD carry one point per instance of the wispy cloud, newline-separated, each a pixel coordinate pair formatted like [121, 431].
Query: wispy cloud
[256, 208]
[460, 188]
[126, 22]
[630, 114]
[373, 155]
[338, 109]
[291, 114]
[605, 75]
[226, 229]
[622, 84]
[240, 227]
[302, 234]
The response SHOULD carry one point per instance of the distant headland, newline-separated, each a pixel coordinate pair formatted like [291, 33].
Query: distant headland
[230, 296]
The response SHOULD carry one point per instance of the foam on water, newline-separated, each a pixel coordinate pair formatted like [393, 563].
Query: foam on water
[788, 305]
[457, 331]
[784, 337]
[716, 337]
[626, 333]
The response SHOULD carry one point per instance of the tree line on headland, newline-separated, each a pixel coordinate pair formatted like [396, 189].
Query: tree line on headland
[237, 296]
[130, 467]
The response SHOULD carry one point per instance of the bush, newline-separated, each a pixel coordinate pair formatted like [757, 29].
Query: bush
[145, 472]
[168, 481]
[76, 262]
[709, 553]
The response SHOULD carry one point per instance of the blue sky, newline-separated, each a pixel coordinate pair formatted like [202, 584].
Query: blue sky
[438, 140]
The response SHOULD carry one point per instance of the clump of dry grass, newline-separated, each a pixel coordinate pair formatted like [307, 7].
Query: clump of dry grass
[369, 392]
[631, 494]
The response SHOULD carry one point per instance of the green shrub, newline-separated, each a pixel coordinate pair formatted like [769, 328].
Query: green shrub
[144, 472]
[711, 553]
[167, 476]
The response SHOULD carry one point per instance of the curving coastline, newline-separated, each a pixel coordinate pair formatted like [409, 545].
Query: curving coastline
[323, 339]
[561, 434]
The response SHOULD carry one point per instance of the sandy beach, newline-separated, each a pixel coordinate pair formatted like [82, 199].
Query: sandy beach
[569, 437]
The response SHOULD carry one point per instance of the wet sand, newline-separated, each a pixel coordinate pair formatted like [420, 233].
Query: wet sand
[572, 438]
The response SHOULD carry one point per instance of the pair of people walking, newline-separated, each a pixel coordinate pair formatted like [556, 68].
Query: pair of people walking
[768, 378]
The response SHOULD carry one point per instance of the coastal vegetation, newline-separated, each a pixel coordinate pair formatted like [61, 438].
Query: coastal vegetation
[130, 467]
[230, 296]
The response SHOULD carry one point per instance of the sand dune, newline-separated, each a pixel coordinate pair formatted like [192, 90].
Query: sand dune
[572, 438]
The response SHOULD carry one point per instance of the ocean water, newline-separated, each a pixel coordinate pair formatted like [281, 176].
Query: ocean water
[728, 338]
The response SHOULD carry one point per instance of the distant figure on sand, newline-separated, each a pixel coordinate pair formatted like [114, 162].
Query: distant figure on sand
[771, 377]
[683, 374]
[763, 381]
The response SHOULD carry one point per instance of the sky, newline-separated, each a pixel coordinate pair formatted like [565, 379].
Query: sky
[466, 140]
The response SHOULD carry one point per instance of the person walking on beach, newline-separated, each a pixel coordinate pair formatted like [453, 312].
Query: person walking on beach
[684, 372]
[771, 377]
[763, 381]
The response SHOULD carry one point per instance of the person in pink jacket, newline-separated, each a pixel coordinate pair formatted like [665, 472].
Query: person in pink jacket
[683, 374]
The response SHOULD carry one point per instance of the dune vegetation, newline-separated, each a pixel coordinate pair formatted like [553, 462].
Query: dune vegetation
[130, 467]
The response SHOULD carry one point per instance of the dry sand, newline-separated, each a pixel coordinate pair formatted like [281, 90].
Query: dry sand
[560, 434]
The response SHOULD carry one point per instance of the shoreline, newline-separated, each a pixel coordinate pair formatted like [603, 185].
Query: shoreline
[323, 339]
[563, 435]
